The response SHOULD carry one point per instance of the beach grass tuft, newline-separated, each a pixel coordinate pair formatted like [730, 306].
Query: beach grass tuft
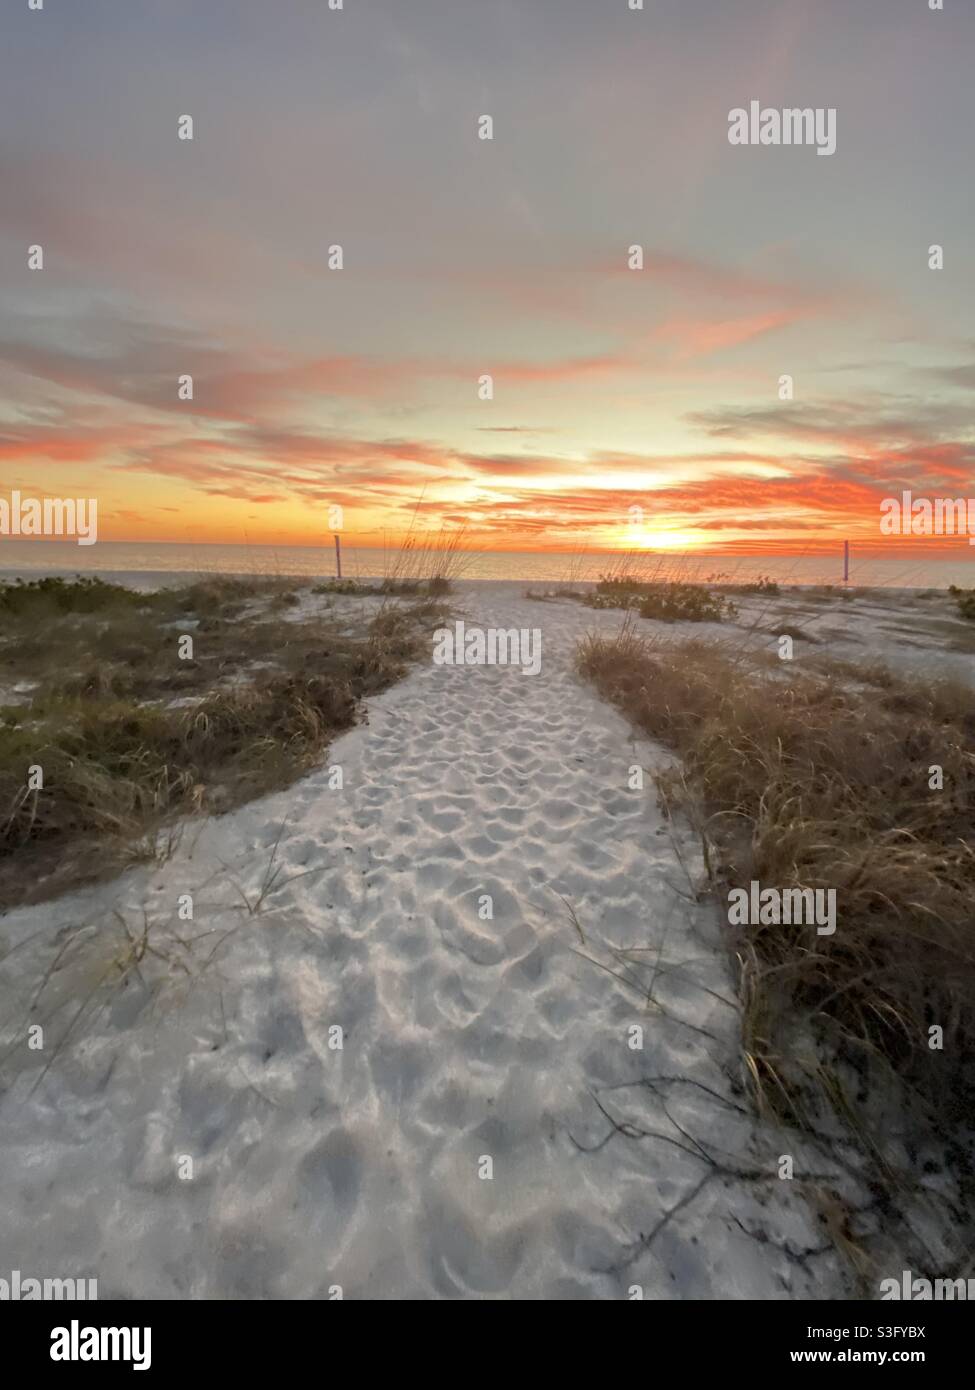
[824, 780]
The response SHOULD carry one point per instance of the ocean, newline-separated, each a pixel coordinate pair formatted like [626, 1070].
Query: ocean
[159, 561]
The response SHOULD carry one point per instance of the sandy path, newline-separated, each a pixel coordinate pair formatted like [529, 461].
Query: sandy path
[463, 1039]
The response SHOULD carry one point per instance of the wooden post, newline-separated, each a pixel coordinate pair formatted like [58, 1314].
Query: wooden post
[338, 558]
[846, 562]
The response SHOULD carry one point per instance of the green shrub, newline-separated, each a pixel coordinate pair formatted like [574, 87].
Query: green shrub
[689, 603]
[83, 594]
[668, 601]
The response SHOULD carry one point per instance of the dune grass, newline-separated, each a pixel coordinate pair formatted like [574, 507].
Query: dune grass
[118, 736]
[425, 562]
[821, 781]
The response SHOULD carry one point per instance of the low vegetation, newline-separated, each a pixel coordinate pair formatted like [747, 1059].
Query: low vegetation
[113, 734]
[833, 783]
[40, 598]
[436, 586]
[790, 629]
[668, 601]
[764, 584]
[964, 599]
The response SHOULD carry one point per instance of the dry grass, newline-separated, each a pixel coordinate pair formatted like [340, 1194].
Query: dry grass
[964, 599]
[764, 585]
[129, 737]
[826, 785]
[425, 562]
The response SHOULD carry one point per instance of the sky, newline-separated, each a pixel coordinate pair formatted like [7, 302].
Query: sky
[613, 388]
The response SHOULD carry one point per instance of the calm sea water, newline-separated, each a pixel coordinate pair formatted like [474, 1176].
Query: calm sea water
[122, 558]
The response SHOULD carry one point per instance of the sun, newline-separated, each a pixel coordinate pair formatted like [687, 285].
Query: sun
[638, 538]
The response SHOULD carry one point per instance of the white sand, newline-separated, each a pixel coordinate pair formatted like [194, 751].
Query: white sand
[463, 1038]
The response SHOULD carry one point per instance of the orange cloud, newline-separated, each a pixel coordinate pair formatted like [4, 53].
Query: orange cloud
[698, 337]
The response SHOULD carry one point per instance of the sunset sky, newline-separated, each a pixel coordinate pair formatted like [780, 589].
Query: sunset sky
[613, 388]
